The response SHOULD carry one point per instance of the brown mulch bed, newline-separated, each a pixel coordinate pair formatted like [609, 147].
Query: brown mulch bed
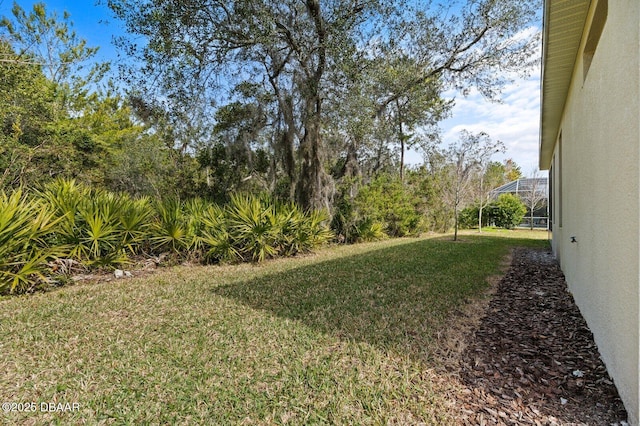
[531, 358]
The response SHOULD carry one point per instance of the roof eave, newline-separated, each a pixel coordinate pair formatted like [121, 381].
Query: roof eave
[563, 25]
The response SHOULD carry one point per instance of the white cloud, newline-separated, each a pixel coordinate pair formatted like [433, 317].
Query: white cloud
[515, 121]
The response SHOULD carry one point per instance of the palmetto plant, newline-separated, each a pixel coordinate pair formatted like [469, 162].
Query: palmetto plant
[25, 225]
[170, 228]
[101, 237]
[292, 238]
[136, 218]
[301, 231]
[102, 228]
[317, 228]
[261, 228]
[194, 212]
[253, 226]
[215, 238]
[97, 227]
[370, 230]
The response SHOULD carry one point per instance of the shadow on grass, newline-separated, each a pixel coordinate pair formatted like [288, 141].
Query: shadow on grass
[395, 298]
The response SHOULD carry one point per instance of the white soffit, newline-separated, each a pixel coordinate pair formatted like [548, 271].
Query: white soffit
[564, 22]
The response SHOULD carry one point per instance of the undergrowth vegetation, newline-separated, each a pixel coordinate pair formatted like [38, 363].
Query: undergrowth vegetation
[25, 225]
[383, 208]
[65, 221]
[507, 211]
[98, 228]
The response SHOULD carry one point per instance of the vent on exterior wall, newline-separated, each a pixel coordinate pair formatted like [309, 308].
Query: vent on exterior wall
[595, 31]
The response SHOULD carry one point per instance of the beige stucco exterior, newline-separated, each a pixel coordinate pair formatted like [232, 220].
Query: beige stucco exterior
[590, 141]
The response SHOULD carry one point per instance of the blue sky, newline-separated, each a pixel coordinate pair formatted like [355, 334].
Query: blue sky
[91, 21]
[515, 121]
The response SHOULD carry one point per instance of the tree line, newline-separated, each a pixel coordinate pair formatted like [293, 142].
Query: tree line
[313, 102]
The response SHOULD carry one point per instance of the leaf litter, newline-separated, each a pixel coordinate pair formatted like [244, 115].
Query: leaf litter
[530, 359]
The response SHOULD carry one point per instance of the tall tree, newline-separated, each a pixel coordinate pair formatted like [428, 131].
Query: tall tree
[512, 170]
[47, 79]
[196, 49]
[466, 158]
[475, 43]
[420, 106]
[26, 97]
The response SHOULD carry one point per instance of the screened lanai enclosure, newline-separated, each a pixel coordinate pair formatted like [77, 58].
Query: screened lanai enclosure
[534, 193]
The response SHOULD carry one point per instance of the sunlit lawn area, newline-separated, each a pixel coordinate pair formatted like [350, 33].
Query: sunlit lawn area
[344, 336]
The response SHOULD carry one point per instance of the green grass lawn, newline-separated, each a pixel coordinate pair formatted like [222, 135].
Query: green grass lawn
[344, 336]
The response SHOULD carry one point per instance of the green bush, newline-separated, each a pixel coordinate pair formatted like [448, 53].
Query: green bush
[135, 218]
[427, 185]
[261, 228]
[386, 200]
[101, 228]
[370, 230]
[96, 227]
[468, 217]
[215, 239]
[170, 230]
[254, 227]
[292, 238]
[384, 207]
[508, 211]
[194, 211]
[25, 225]
[315, 227]
[344, 222]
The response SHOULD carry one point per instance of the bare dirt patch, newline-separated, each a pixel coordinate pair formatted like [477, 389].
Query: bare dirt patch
[531, 358]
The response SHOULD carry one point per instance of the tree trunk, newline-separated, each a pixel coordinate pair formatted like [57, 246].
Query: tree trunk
[288, 150]
[314, 185]
[531, 218]
[401, 137]
[351, 166]
[481, 202]
[285, 145]
[456, 202]
[455, 228]
[312, 188]
[402, 160]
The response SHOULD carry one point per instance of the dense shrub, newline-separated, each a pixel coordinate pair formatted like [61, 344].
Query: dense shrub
[386, 200]
[215, 239]
[384, 207]
[249, 227]
[260, 227]
[508, 211]
[169, 231]
[100, 228]
[468, 217]
[370, 230]
[96, 227]
[345, 220]
[25, 225]
[254, 227]
[427, 188]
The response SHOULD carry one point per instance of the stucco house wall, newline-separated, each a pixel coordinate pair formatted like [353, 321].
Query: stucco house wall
[595, 186]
